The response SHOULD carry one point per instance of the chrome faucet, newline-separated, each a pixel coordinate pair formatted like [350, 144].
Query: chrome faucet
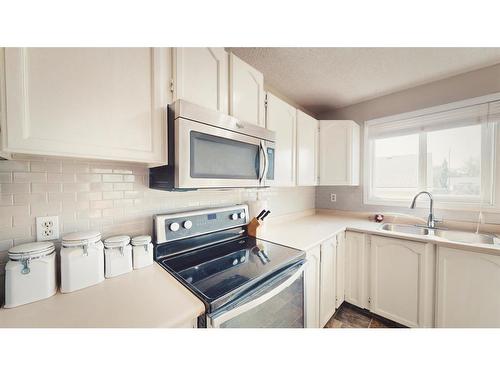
[431, 220]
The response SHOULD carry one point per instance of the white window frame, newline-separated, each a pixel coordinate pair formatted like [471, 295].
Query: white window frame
[490, 139]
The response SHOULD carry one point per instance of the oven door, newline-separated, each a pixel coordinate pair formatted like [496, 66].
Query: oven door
[277, 304]
[212, 157]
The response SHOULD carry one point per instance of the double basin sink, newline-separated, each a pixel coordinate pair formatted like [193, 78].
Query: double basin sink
[450, 235]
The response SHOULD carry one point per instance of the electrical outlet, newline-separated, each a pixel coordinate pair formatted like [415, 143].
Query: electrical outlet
[47, 228]
[333, 197]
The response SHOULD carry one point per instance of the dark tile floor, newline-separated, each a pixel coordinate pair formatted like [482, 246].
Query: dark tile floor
[349, 316]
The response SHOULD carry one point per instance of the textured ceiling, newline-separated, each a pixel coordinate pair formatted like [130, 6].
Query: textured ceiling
[322, 79]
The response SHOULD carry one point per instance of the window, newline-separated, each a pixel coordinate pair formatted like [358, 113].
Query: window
[447, 152]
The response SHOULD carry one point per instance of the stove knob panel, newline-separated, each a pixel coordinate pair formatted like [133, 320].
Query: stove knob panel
[174, 227]
[188, 224]
[234, 217]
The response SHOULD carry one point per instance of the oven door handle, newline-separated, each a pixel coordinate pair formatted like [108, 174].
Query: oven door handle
[276, 287]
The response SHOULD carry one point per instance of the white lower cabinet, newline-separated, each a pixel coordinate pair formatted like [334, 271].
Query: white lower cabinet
[402, 280]
[328, 280]
[312, 285]
[340, 281]
[356, 269]
[468, 289]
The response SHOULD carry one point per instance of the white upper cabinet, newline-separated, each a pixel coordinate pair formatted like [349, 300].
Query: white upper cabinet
[328, 280]
[402, 281]
[281, 118]
[468, 289]
[339, 152]
[200, 75]
[307, 150]
[103, 103]
[246, 92]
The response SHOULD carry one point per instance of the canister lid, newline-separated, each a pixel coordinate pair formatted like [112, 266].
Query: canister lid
[141, 240]
[117, 241]
[31, 249]
[81, 238]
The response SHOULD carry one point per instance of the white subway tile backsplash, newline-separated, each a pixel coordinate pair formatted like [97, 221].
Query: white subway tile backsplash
[113, 198]
[30, 177]
[123, 186]
[5, 177]
[88, 177]
[76, 187]
[46, 188]
[27, 198]
[46, 166]
[101, 186]
[6, 199]
[14, 188]
[125, 171]
[91, 196]
[5, 221]
[60, 177]
[14, 166]
[14, 210]
[112, 178]
[101, 204]
[62, 197]
[113, 194]
[46, 208]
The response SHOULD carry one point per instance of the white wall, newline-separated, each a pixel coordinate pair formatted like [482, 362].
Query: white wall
[477, 83]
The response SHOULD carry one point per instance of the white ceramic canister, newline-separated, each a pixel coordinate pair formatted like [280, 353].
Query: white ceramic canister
[118, 255]
[142, 251]
[82, 260]
[30, 273]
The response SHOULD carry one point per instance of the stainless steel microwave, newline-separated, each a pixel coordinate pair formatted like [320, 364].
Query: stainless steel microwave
[208, 149]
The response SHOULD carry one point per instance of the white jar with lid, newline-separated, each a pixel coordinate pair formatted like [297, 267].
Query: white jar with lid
[30, 273]
[142, 250]
[82, 261]
[118, 255]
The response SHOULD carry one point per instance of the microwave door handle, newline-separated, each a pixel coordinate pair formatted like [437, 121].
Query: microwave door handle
[266, 161]
[216, 321]
[262, 162]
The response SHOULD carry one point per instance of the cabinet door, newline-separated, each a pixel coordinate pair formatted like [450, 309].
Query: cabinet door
[201, 76]
[312, 282]
[307, 150]
[468, 285]
[328, 278]
[357, 270]
[402, 280]
[339, 295]
[104, 103]
[246, 92]
[281, 118]
[339, 153]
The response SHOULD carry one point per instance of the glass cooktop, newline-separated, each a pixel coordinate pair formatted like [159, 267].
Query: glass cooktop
[216, 272]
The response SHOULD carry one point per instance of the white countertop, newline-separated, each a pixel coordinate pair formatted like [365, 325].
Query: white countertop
[144, 298]
[309, 230]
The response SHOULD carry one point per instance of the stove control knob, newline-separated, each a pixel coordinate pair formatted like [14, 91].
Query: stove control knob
[188, 224]
[234, 217]
[174, 227]
[242, 215]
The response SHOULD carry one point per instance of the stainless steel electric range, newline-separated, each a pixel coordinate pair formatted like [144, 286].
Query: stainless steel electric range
[244, 282]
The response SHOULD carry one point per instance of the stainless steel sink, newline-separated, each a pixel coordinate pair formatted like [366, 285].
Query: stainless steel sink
[407, 229]
[468, 237]
[451, 235]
